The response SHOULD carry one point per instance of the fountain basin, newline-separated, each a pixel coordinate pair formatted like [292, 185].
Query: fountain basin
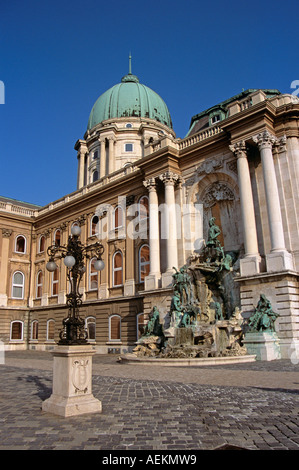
[183, 362]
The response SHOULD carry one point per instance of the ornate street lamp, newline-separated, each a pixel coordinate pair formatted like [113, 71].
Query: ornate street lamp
[74, 331]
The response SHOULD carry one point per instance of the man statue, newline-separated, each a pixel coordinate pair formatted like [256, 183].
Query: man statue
[263, 317]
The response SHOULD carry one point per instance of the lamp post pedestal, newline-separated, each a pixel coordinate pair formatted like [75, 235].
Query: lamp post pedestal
[72, 382]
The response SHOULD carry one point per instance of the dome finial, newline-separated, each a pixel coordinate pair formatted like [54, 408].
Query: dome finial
[130, 64]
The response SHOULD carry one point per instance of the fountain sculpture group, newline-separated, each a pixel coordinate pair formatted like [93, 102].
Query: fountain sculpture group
[204, 319]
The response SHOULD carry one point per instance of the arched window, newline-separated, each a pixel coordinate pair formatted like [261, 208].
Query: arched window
[55, 281]
[117, 269]
[18, 281]
[16, 330]
[115, 328]
[90, 324]
[34, 330]
[95, 176]
[20, 244]
[50, 330]
[144, 262]
[93, 275]
[42, 244]
[118, 217]
[39, 284]
[57, 237]
[94, 229]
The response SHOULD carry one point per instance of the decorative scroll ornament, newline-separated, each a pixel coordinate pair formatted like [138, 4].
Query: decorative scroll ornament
[209, 166]
[217, 192]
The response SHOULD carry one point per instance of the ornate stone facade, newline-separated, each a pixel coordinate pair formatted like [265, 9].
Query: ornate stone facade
[151, 213]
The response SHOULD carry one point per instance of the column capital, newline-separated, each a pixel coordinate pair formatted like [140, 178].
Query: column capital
[6, 232]
[281, 144]
[239, 149]
[169, 178]
[150, 184]
[264, 140]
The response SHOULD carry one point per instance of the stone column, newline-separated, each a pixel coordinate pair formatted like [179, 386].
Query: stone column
[170, 226]
[103, 158]
[82, 150]
[278, 259]
[250, 264]
[111, 154]
[152, 280]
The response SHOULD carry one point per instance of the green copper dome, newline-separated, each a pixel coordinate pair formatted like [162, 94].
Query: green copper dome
[129, 99]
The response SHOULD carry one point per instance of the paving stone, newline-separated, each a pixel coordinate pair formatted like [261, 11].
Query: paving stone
[173, 411]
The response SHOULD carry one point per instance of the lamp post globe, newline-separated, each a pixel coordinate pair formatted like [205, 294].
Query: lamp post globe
[99, 265]
[76, 230]
[69, 261]
[51, 266]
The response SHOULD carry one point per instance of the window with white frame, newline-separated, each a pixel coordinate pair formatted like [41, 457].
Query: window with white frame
[94, 228]
[18, 281]
[42, 244]
[39, 285]
[16, 330]
[129, 147]
[55, 282]
[115, 328]
[50, 329]
[215, 118]
[90, 325]
[57, 237]
[144, 262]
[117, 269]
[20, 246]
[93, 275]
[34, 330]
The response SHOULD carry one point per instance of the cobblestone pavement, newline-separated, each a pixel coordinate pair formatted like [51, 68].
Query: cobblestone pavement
[253, 406]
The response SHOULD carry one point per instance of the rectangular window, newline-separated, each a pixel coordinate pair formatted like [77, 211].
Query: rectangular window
[55, 281]
[129, 147]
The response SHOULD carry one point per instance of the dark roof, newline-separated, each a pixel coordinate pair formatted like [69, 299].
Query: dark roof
[223, 106]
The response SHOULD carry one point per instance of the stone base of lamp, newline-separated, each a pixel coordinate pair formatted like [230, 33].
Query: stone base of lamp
[264, 345]
[72, 382]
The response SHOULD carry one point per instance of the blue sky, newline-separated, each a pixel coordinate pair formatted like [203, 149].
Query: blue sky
[57, 58]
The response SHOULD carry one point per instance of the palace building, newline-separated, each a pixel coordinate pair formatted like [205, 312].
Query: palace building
[148, 196]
